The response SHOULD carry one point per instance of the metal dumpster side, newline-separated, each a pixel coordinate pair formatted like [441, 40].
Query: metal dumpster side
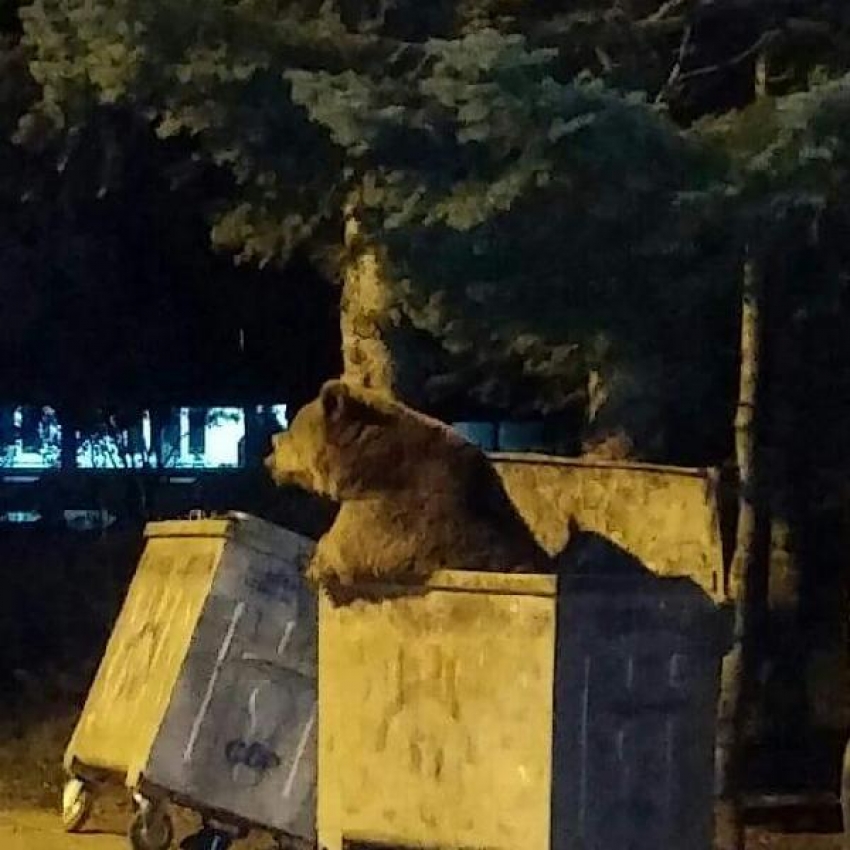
[239, 735]
[668, 517]
[503, 711]
[436, 715]
[637, 679]
[143, 657]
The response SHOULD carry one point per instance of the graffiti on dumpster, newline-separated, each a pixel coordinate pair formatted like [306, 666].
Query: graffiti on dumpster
[423, 725]
[250, 757]
[277, 584]
[133, 666]
[255, 755]
[157, 609]
[274, 584]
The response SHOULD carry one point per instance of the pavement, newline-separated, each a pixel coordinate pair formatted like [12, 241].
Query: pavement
[40, 830]
[37, 829]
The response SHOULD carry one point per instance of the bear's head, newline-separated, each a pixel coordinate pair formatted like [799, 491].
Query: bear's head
[352, 442]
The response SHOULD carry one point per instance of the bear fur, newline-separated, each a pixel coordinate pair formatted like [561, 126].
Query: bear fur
[415, 497]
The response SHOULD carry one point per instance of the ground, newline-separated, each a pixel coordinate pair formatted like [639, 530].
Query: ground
[31, 780]
[39, 829]
[770, 841]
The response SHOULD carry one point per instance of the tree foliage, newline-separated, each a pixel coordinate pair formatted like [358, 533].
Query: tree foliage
[498, 192]
[539, 210]
[488, 176]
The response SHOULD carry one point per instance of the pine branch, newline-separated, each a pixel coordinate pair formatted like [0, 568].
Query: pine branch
[676, 71]
[666, 9]
[764, 40]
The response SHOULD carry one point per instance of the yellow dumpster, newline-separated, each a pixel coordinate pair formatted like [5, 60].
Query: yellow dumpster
[435, 721]
[508, 713]
[206, 693]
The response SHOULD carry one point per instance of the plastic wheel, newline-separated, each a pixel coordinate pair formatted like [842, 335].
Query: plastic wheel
[151, 830]
[77, 803]
[208, 838]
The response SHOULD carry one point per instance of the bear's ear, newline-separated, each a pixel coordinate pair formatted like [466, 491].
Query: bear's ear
[344, 406]
[335, 398]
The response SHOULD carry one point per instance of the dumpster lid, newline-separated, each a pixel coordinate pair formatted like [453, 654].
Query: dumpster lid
[464, 581]
[240, 527]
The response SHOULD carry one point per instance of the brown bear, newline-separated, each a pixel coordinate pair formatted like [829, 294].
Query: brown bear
[414, 496]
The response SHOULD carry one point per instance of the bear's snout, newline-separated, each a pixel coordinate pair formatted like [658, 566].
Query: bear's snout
[285, 463]
[271, 462]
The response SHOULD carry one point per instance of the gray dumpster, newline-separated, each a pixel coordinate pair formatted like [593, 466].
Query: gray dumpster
[636, 686]
[207, 693]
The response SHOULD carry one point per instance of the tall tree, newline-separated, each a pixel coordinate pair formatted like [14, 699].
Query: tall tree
[471, 154]
[788, 158]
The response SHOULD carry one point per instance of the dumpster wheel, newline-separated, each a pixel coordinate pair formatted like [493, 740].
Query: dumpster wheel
[151, 829]
[211, 838]
[77, 803]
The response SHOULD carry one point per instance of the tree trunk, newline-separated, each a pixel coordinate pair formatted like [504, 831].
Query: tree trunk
[783, 704]
[729, 826]
[380, 349]
[364, 310]
[729, 833]
[784, 579]
[625, 410]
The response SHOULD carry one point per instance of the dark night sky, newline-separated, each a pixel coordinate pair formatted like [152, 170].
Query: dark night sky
[128, 304]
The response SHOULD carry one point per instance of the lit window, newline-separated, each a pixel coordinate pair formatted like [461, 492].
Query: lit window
[30, 437]
[224, 433]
